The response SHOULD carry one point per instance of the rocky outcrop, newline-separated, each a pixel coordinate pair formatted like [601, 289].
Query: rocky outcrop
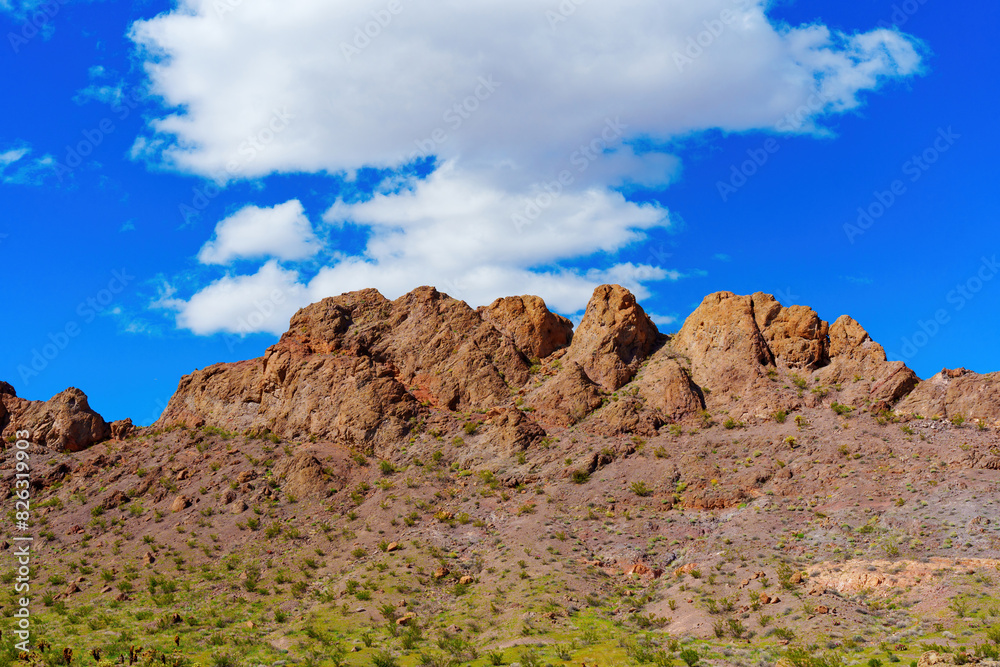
[356, 368]
[724, 344]
[363, 370]
[795, 335]
[729, 356]
[509, 431]
[667, 388]
[64, 422]
[743, 345]
[534, 329]
[613, 338]
[859, 363]
[954, 393]
[567, 398]
[444, 346]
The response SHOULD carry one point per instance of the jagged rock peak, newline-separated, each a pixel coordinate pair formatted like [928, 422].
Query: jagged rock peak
[537, 331]
[736, 342]
[613, 338]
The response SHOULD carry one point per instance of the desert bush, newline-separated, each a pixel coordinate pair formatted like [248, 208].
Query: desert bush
[641, 489]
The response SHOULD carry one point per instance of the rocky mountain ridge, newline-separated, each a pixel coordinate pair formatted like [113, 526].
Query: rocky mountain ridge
[364, 370]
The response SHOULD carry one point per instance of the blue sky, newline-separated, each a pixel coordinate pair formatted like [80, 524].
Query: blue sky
[176, 181]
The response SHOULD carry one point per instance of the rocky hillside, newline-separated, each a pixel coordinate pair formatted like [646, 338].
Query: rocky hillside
[414, 482]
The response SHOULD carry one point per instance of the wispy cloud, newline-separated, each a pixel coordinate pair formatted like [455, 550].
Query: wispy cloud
[17, 167]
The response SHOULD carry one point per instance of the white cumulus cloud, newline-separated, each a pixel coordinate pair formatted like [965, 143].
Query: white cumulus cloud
[282, 231]
[456, 232]
[495, 83]
[262, 302]
[539, 118]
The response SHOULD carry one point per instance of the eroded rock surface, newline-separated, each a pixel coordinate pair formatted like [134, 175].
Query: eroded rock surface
[534, 329]
[613, 338]
[956, 393]
[65, 422]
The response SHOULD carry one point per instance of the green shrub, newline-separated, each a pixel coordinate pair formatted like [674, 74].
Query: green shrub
[841, 409]
[690, 657]
[641, 489]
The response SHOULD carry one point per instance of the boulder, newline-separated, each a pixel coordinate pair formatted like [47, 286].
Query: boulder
[65, 422]
[122, 429]
[667, 388]
[303, 476]
[931, 658]
[180, 504]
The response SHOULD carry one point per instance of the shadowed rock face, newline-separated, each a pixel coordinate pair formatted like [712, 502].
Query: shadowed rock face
[65, 422]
